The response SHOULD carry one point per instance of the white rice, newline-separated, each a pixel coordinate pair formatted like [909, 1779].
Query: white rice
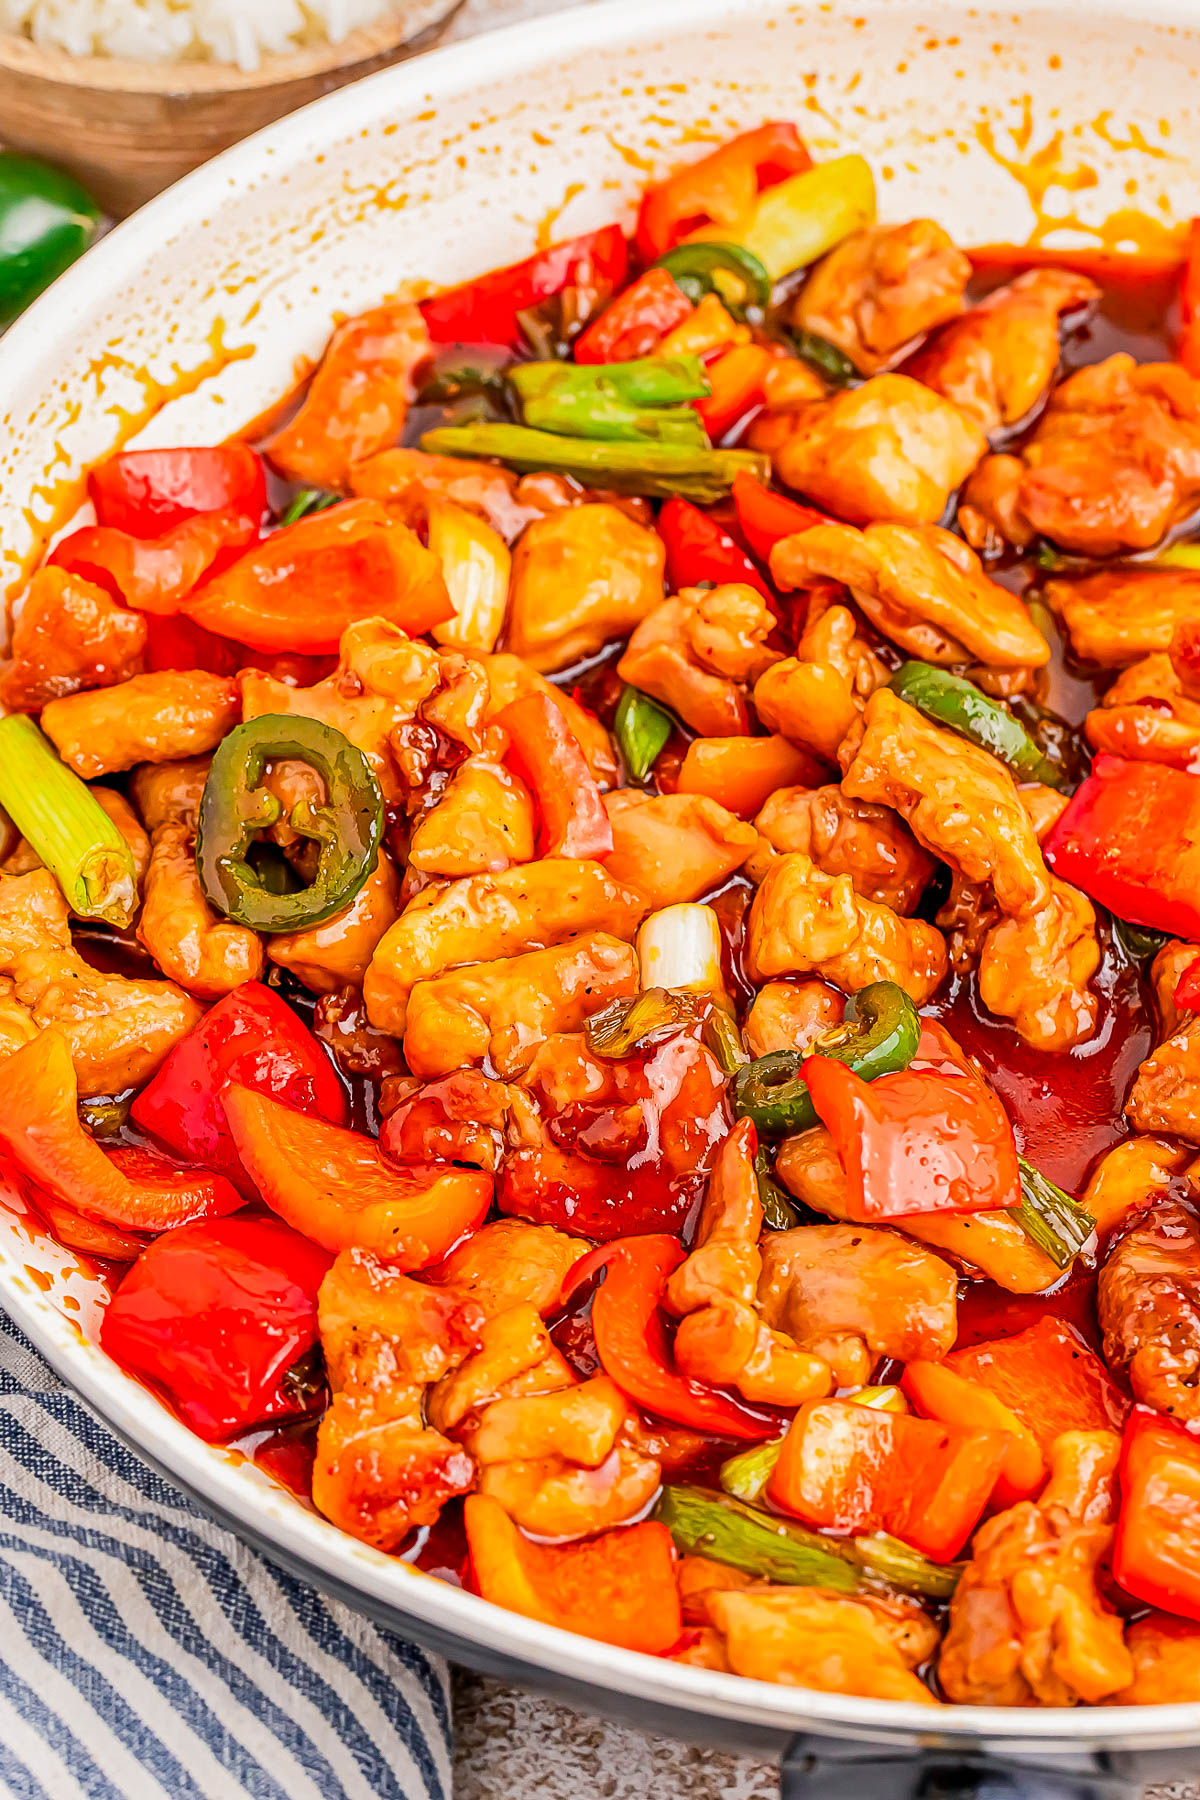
[229, 31]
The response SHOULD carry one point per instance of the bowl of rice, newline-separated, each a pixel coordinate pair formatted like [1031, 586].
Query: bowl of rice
[131, 94]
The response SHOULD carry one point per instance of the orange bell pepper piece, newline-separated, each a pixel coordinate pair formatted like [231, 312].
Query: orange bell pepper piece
[720, 189]
[1156, 1554]
[849, 1468]
[1047, 1375]
[942, 1393]
[932, 1138]
[41, 1136]
[736, 381]
[545, 753]
[335, 1186]
[156, 575]
[619, 1588]
[635, 323]
[743, 772]
[302, 586]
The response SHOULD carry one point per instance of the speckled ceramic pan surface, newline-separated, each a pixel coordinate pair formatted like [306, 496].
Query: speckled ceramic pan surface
[187, 321]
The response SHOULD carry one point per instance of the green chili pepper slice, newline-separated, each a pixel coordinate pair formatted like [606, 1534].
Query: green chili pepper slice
[306, 502]
[694, 268]
[704, 1523]
[779, 1214]
[456, 372]
[47, 221]
[1138, 940]
[641, 728]
[1050, 1218]
[629, 1024]
[746, 1475]
[823, 356]
[879, 1036]
[236, 809]
[950, 700]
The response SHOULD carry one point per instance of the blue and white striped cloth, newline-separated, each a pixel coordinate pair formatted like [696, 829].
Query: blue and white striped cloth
[147, 1654]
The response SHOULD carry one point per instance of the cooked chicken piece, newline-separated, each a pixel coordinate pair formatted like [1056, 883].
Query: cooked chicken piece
[989, 513]
[358, 398]
[842, 836]
[511, 679]
[722, 1339]
[67, 636]
[119, 1031]
[673, 848]
[789, 385]
[1113, 463]
[890, 449]
[149, 718]
[791, 1015]
[1147, 715]
[853, 1293]
[1028, 1626]
[920, 586]
[554, 1498]
[509, 1263]
[23, 858]
[484, 917]
[191, 943]
[699, 1579]
[700, 652]
[16, 1022]
[960, 802]
[483, 822]
[514, 1355]
[170, 792]
[379, 1470]
[338, 953]
[461, 1117]
[581, 577]
[1166, 1095]
[1133, 1175]
[966, 916]
[997, 360]
[1166, 1662]
[408, 482]
[504, 1010]
[1148, 1303]
[577, 1424]
[803, 1637]
[881, 288]
[1035, 970]
[806, 922]
[1045, 806]
[1117, 616]
[815, 697]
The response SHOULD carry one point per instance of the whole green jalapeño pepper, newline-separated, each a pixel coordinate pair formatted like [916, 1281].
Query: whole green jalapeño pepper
[878, 1037]
[237, 809]
[46, 221]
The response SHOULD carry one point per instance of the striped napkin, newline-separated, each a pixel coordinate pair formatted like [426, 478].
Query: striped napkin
[147, 1654]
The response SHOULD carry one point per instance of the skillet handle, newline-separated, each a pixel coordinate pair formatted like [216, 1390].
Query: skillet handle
[816, 1768]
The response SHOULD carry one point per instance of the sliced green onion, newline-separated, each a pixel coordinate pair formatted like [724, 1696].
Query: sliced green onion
[696, 270]
[308, 500]
[65, 825]
[635, 1021]
[1177, 556]
[722, 1037]
[885, 1558]
[457, 372]
[1139, 940]
[1051, 1219]
[680, 947]
[705, 1523]
[952, 701]
[746, 1475]
[1048, 559]
[805, 216]
[646, 381]
[823, 356]
[641, 728]
[657, 470]
[779, 1214]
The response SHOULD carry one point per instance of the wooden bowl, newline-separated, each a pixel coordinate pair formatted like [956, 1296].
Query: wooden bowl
[129, 129]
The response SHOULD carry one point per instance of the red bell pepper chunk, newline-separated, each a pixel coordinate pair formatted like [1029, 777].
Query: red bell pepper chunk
[147, 493]
[337, 1188]
[301, 587]
[251, 1036]
[736, 380]
[217, 1313]
[932, 1138]
[636, 321]
[40, 1134]
[849, 1468]
[720, 189]
[1101, 265]
[485, 311]
[1188, 351]
[940, 1392]
[156, 575]
[1156, 1554]
[1049, 1378]
[619, 1588]
[1187, 988]
[698, 549]
[545, 753]
[1130, 839]
[631, 1341]
[175, 643]
[766, 518]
